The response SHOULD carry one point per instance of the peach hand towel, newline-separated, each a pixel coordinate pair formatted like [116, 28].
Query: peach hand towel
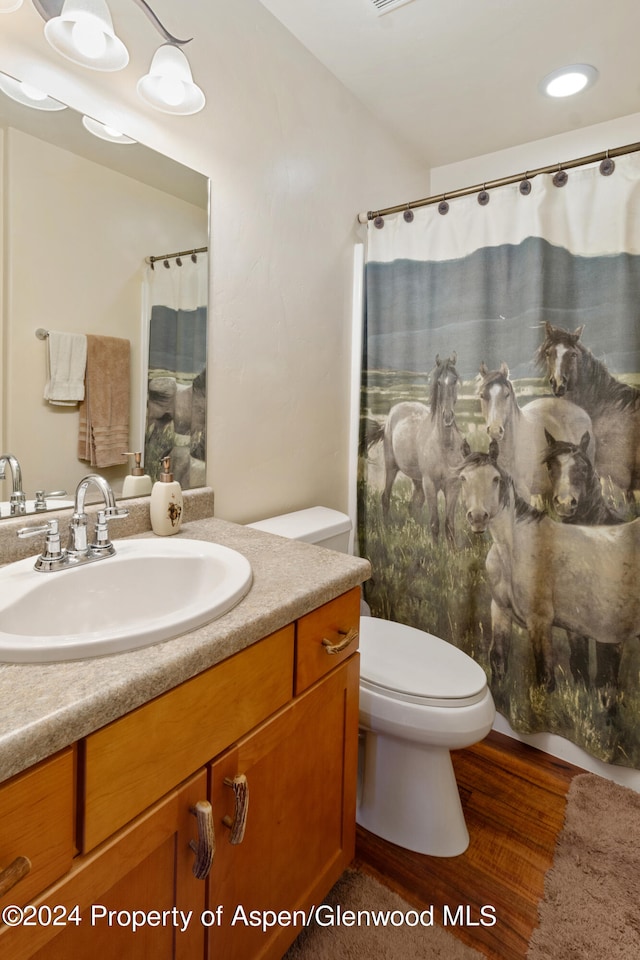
[104, 412]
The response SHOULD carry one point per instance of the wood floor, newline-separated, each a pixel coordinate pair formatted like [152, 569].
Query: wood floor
[514, 799]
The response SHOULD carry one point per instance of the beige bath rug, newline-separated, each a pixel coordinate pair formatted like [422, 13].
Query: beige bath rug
[591, 904]
[401, 934]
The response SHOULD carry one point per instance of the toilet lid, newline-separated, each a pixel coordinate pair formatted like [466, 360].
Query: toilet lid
[412, 665]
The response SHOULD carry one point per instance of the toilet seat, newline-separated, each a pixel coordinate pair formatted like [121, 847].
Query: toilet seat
[407, 664]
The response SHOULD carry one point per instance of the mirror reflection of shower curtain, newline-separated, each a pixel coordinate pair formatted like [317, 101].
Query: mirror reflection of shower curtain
[176, 300]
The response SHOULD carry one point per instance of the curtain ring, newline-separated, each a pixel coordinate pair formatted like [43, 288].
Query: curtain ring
[607, 166]
[525, 185]
[378, 222]
[408, 214]
[560, 178]
[443, 206]
[483, 196]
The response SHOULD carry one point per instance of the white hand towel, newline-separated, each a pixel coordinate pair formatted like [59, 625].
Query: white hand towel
[67, 361]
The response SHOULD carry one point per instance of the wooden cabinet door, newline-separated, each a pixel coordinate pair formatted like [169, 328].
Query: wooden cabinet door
[37, 816]
[300, 770]
[146, 867]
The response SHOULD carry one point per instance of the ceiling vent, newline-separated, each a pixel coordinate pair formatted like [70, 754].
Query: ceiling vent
[386, 6]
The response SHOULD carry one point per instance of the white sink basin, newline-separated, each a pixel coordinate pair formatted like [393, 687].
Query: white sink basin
[151, 590]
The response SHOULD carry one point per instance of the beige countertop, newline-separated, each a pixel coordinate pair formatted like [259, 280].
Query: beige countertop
[45, 707]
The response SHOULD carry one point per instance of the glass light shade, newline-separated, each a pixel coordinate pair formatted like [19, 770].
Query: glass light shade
[8, 6]
[568, 81]
[104, 131]
[84, 34]
[28, 95]
[169, 85]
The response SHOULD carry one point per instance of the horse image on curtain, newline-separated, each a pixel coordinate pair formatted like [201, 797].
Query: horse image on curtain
[500, 444]
[177, 376]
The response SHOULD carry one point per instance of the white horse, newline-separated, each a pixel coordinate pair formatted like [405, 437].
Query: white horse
[424, 443]
[521, 431]
[544, 574]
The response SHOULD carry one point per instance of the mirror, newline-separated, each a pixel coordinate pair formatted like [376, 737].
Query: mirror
[82, 217]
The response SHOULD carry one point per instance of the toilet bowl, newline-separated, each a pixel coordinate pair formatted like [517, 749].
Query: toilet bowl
[420, 697]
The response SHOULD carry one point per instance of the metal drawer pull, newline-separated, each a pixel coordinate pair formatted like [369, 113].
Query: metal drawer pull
[205, 848]
[341, 645]
[237, 826]
[14, 873]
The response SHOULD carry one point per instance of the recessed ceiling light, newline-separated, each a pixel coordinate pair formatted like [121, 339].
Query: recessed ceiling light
[568, 81]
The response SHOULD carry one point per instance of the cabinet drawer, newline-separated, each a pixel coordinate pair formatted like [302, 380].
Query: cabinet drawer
[134, 761]
[335, 622]
[37, 818]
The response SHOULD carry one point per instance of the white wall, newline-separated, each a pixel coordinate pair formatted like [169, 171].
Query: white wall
[528, 156]
[538, 153]
[292, 158]
[100, 240]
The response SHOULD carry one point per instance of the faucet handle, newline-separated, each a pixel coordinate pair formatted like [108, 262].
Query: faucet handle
[42, 497]
[102, 541]
[114, 513]
[51, 528]
[53, 556]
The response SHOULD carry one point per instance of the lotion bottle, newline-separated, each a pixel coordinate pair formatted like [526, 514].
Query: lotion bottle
[166, 502]
[137, 483]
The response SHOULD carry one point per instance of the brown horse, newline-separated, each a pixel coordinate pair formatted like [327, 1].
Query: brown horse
[424, 443]
[544, 574]
[614, 407]
[576, 492]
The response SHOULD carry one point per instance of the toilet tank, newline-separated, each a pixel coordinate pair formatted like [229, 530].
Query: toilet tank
[319, 525]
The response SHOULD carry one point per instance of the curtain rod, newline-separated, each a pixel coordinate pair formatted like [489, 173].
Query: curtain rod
[174, 256]
[502, 182]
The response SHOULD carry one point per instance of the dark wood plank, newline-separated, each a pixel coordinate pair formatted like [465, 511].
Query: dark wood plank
[514, 798]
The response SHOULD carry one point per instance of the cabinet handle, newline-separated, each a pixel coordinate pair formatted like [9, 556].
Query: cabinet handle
[13, 874]
[205, 848]
[341, 645]
[237, 826]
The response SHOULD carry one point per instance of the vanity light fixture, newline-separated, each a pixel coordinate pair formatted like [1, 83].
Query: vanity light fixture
[83, 31]
[104, 131]
[567, 81]
[28, 95]
[169, 84]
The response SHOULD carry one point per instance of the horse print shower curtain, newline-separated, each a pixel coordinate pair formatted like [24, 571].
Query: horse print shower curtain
[176, 296]
[499, 463]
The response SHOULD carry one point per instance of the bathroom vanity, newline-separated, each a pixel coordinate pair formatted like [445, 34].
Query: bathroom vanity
[111, 763]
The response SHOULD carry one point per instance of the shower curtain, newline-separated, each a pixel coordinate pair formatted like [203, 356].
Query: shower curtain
[474, 307]
[176, 296]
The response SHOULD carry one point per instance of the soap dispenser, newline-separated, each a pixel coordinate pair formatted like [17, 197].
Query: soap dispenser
[137, 483]
[166, 502]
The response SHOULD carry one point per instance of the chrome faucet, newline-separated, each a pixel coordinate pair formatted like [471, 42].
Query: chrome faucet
[79, 548]
[79, 551]
[18, 501]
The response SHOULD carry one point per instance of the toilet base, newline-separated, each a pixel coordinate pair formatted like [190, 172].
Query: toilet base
[408, 795]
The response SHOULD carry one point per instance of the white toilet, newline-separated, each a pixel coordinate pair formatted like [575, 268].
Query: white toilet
[420, 697]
